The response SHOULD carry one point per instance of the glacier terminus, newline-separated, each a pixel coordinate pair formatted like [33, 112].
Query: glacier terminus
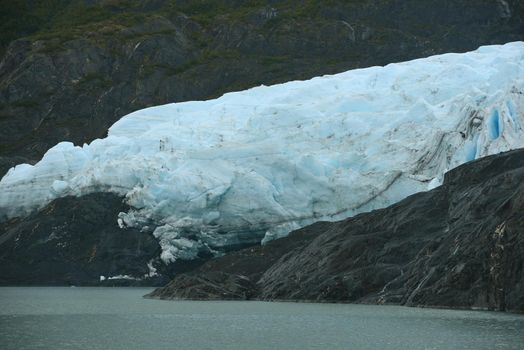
[251, 166]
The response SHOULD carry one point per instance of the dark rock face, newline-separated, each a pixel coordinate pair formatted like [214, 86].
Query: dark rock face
[75, 241]
[460, 245]
[72, 84]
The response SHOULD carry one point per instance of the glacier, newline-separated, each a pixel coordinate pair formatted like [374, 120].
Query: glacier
[250, 166]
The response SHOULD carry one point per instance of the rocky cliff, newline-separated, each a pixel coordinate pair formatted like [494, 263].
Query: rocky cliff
[460, 245]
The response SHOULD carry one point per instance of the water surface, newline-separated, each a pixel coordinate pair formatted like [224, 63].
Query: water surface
[119, 318]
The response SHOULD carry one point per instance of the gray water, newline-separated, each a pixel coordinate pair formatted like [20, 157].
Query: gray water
[119, 318]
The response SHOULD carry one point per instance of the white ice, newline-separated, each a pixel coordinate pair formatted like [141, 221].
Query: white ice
[211, 175]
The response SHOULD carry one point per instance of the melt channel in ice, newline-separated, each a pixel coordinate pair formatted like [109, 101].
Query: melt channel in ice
[207, 176]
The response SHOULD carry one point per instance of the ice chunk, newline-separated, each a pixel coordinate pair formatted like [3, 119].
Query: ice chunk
[436, 182]
[59, 187]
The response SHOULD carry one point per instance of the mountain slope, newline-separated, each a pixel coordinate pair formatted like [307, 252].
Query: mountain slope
[77, 66]
[460, 245]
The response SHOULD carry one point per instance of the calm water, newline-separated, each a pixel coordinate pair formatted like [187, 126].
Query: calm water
[118, 318]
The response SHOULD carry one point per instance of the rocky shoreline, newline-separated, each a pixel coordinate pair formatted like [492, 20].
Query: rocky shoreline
[433, 307]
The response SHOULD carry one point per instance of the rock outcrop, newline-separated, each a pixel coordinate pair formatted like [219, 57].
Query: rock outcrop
[460, 245]
[74, 241]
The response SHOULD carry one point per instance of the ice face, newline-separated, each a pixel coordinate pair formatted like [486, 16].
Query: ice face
[207, 176]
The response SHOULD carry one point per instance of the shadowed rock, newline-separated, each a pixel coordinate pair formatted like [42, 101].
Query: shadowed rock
[75, 241]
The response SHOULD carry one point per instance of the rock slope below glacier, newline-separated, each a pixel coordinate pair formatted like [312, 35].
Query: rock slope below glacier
[460, 245]
[205, 177]
[74, 241]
